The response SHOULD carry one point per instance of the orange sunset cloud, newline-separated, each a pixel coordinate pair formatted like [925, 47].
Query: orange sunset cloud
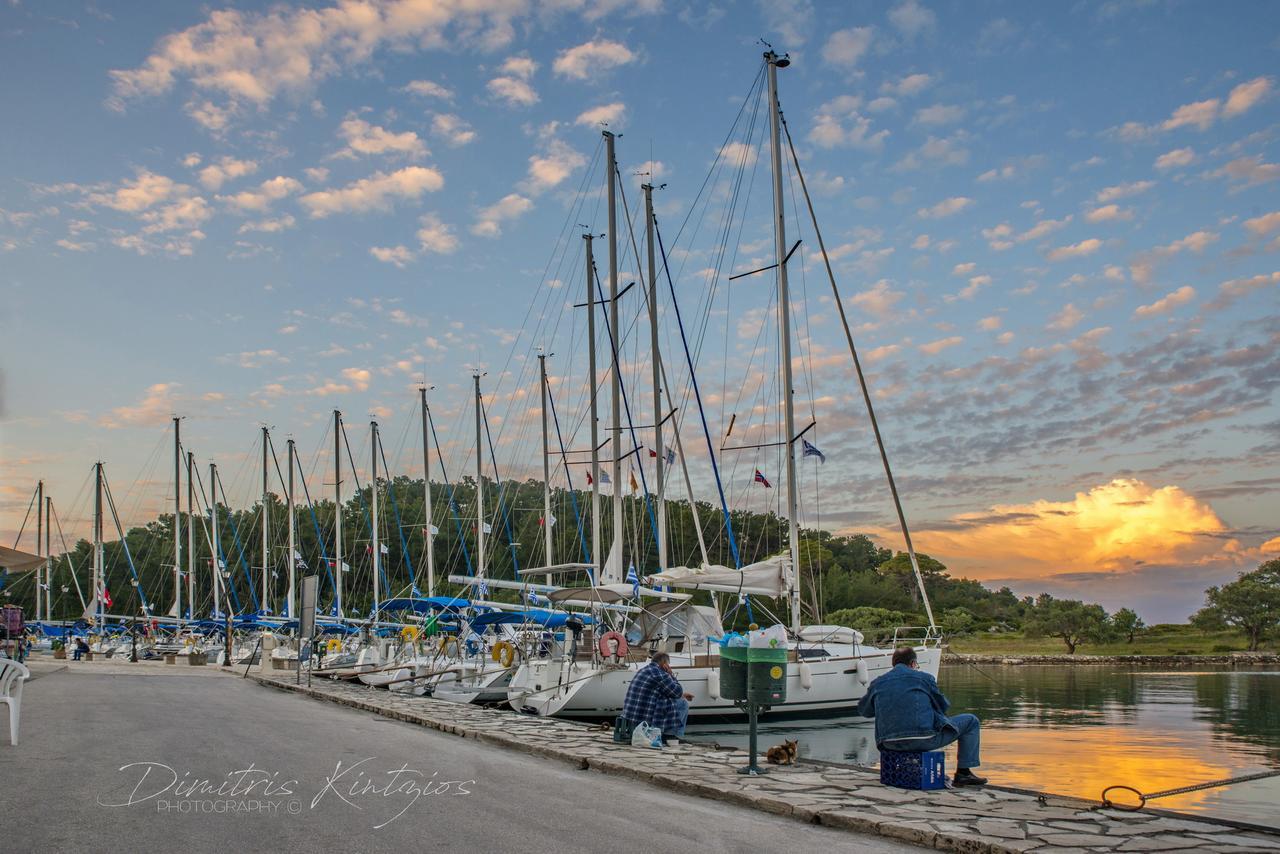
[1114, 527]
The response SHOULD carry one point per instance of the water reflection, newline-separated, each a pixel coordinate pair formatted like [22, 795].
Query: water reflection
[1076, 730]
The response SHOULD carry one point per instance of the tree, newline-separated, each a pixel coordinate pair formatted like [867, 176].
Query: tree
[956, 621]
[1127, 623]
[900, 570]
[1069, 619]
[1251, 603]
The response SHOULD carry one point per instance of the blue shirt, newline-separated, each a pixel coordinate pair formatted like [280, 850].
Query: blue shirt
[906, 704]
[651, 698]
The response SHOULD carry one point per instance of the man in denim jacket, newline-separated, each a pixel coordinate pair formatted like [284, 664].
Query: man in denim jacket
[911, 716]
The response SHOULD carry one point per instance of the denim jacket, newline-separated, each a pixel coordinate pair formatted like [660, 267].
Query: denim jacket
[906, 704]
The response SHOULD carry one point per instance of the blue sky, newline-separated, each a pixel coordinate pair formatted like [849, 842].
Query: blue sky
[1056, 228]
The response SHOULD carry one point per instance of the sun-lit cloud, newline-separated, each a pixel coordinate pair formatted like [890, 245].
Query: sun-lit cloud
[946, 207]
[373, 193]
[156, 407]
[1167, 303]
[591, 58]
[363, 138]
[844, 48]
[490, 219]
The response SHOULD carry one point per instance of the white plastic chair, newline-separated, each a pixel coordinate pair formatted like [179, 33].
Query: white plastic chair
[12, 676]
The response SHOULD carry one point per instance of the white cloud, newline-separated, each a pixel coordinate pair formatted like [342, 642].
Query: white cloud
[1067, 318]
[591, 58]
[1176, 158]
[1120, 191]
[738, 153]
[1249, 171]
[846, 47]
[436, 236]
[453, 129]
[1075, 250]
[397, 255]
[268, 191]
[1261, 226]
[963, 269]
[946, 207]
[428, 89]
[549, 169]
[373, 193]
[269, 226]
[1244, 96]
[990, 324]
[1201, 115]
[215, 175]
[939, 114]
[1043, 228]
[1167, 303]
[879, 300]
[513, 86]
[155, 407]
[1107, 213]
[489, 220]
[146, 189]
[912, 84]
[933, 348]
[605, 114]
[911, 19]
[364, 138]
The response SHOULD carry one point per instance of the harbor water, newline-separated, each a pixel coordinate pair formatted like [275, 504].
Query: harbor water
[1074, 730]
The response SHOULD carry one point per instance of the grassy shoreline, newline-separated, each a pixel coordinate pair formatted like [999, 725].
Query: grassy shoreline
[1161, 641]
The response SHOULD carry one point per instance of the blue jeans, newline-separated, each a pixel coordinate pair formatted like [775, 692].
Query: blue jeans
[682, 709]
[965, 728]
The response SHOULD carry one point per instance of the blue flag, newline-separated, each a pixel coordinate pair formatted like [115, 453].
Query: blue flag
[807, 450]
[634, 580]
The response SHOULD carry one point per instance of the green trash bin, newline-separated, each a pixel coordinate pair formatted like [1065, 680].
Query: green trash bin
[767, 676]
[733, 672]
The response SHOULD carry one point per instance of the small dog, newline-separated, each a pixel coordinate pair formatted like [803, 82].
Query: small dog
[783, 754]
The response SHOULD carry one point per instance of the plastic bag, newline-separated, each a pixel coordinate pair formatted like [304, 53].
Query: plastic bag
[645, 735]
[770, 638]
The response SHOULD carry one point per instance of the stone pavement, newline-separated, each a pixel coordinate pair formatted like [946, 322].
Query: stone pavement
[966, 820]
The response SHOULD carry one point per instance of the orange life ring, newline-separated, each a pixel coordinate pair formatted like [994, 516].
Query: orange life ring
[619, 649]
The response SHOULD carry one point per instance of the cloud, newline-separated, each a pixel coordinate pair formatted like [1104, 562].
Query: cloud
[844, 48]
[373, 193]
[1075, 250]
[1167, 303]
[912, 19]
[364, 138]
[605, 114]
[912, 84]
[146, 189]
[213, 176]
[269, 226]
[1144, 266]
[489, 220]
[1043, 228]
[1244, 96]
[271, 190]
[1066, 319]
[155, 407]
[427, 89]
[1121, 191]
[453, 129]
[838, 123]
[738, 153]
[1262, 226]
[946, 207]
[436, 236]
[1249, 171]
[879, 300]
[963, 269]
[513, 86]
[548, 169]
[589, 59]
[1230, 291]
[933, 348]
[990, 324]
[1107, 213]
[1176, 158]
[1201, 115]
[939, 114]
[397, 255]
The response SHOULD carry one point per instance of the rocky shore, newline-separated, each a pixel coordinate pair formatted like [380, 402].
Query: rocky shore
[1229, 659]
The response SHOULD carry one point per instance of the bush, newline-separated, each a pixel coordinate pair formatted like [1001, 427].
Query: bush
[1225, 647]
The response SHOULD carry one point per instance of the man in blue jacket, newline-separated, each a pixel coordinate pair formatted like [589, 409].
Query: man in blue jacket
[911, 716]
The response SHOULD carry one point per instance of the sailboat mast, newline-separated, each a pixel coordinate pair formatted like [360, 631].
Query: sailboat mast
[99, 571]
[656, 359]
[615, 386]
[293, 536]
[40, 569]
[216, 561]
[177, 517]
[774, 62]
[191, 536]
[337, 511]
[480, 568]
[266, 525]
[373, 504]
[426, 488]
[48, 558]
[546, 464]
[595, 403]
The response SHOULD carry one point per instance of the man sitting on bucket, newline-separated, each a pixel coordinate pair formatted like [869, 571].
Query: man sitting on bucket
[656, 697]
[911, 716]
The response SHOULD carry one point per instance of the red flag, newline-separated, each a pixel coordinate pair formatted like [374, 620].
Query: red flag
[760, 478]
[589, 480]
[106, 596]
[653, 453]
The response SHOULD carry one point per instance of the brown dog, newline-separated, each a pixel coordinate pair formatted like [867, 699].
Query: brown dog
[783, 754]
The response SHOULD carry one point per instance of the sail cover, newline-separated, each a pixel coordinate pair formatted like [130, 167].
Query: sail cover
[16, 561]
[766, 578]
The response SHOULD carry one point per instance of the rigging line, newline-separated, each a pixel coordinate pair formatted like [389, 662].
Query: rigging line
[23, 527]
[453, 504]
[66, 555]
[501, 508]
[364, 507]
[324, 552]
[862, 381]
[217, 563]
[124, 544]
[395, 509]
[235, 533]
[693, 377]
[568, 476]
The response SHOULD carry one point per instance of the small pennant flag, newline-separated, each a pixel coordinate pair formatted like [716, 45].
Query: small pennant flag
[808, 450]
[488, 529]
[346, 567]
[604, 477]
[549, 520]
[635, 487]
[383, 548]
[535, 599]
[483, 587]
[589, 480]
[634, 580]
[760, 478]
[653, 453]
[300, 564]
[106, 596]
[671, 457]
[434, 531]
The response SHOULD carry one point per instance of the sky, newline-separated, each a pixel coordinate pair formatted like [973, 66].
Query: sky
[1055, 229]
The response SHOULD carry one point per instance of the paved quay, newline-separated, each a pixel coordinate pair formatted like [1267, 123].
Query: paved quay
[847, 798]
[62, 787]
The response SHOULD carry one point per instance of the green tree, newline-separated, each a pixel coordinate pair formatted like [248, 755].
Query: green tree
[956, 621]
[1251, 603]
[1069, 619]
[899, 569]
[1127, 623]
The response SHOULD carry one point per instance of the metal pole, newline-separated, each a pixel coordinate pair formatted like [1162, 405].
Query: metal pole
[595, 407]
[39, 542]
[293, 539]
[615, 386]
[216, 562]
[266, 526]
[99, 571]
[373, 504]
[656, 359]
[772, 61]
[546, 465]
[337, 511]
[191, 536]
[426, 488]
[48, 555]
[480, 569]
[177, 517]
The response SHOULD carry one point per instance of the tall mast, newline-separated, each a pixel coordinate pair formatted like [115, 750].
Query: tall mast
[293, 537]
[656, 359]
[177, 517]
[266, 525]
[480, 568]
[773, 63]
[595, 405]
[426, 488]
[373, 503]
[99, 571]
[615, 387]
[337, 511]
[216, 562]
[48, 558]
[191, 536]
[546, 464]
[40, 570]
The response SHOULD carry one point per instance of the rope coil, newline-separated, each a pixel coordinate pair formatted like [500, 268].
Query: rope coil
[1181, 790]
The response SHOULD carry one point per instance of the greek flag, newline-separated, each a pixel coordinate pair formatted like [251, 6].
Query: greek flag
[535, 599]
[634, 580]
[808, 450]
[483, 587]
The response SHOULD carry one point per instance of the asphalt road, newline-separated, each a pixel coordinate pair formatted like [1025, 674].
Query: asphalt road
[191, 763]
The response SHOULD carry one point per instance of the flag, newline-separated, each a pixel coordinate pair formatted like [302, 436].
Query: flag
[653, 453]
[760, 478]
[106, 596]
[807, 450]
[383, 548]
[548, 520]
[589, 480]
[535, 599]
[432, 529]
[483, 588]
[300, 564]
[346, 567]
[634, 580]
[635, 487]
[488, 529]
[604, 477]
[671, 457]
